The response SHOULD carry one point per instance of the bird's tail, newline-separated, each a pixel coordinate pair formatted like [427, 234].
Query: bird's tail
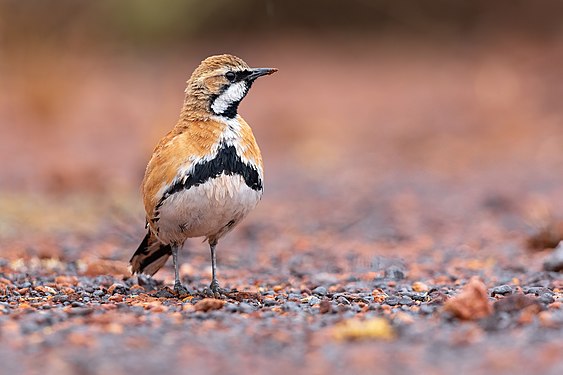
[150, 256]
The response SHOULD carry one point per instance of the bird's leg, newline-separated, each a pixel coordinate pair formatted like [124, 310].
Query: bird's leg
[178, 287]
[215, 290]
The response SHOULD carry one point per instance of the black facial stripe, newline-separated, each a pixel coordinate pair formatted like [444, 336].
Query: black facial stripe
[231, 111]
[241, 75]
[227, 161]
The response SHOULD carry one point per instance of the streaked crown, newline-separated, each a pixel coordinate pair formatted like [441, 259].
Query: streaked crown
[218, 85]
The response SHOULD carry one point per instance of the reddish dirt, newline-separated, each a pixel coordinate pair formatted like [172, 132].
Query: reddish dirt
[398, 176]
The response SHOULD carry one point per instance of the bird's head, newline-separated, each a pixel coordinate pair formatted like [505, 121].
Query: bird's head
[218, 85]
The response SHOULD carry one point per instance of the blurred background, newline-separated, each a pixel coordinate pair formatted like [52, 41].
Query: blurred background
[388, 122]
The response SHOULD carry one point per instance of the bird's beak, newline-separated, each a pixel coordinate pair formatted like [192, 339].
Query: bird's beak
[259, 72]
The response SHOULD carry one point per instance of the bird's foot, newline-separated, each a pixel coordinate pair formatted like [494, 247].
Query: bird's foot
[180, 289]
[214, 290]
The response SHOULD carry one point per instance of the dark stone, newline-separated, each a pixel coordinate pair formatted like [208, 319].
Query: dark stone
[245, 308]
[502, 290]
[546, 298]
[406, 301]
[554, 262]
[314, 300]
[320, 290]
[514, 303]
[291, 306]
[391, 301]
[269, 302]
[394, 273]
[343, 300]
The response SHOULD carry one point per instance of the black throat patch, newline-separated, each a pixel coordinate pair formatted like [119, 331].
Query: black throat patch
[228, 162]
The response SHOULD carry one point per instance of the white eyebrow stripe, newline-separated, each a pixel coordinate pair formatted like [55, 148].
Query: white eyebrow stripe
[233, 94]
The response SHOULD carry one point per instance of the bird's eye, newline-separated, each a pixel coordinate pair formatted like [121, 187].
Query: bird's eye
[230, 76]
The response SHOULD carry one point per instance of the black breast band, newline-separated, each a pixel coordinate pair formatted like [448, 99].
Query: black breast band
[227, 161]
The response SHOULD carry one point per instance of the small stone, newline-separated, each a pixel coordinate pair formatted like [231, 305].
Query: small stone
[320, 290]
[379, 295]
[472, 303]
[502, 290]
[77, 304]
[391, 301]
[343, 300]
[136, 289]
[407, 301]
[546, 298]
[394, 273]
[290, 306]
[419, 286]
[231, 307]
[269, 302]
[537, 290]
[60, 298]
[116, 298]
[245, 308]
[314, 300]
[427, 309]
[208, 304]
[277, 288]
[325, 306]
[45, 289]
[117, 289]
[554, 262]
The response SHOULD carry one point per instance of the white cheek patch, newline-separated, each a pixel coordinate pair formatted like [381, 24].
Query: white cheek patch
[233, 94]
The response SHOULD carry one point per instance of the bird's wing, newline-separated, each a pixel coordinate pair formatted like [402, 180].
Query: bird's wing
[174, 155]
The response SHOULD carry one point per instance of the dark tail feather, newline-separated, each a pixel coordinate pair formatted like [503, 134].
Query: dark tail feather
[150, 256]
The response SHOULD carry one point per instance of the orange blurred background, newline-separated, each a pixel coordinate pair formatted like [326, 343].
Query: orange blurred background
[369, 95]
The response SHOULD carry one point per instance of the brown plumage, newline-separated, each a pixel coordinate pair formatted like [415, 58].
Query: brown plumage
[206, 174]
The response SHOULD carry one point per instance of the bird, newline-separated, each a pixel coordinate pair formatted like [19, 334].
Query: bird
[206, 174]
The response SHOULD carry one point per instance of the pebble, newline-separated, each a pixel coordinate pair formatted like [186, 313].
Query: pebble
[502, 290]
[320, 290]
[426, 309]
[554, 262]
[231, 307]
[546, 298]
[291, 306]
[391, 301]
[245, 308]
[325, 306]
[406, 301]
[314, 300]
[537, 290]
[394, 273]
[269, 302]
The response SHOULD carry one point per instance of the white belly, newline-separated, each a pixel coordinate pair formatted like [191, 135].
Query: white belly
[210, 209]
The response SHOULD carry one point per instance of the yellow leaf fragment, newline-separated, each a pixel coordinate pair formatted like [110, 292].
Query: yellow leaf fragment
[372, 329]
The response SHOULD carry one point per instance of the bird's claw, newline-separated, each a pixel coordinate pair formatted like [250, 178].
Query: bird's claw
[214, 290]
[180, 289]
